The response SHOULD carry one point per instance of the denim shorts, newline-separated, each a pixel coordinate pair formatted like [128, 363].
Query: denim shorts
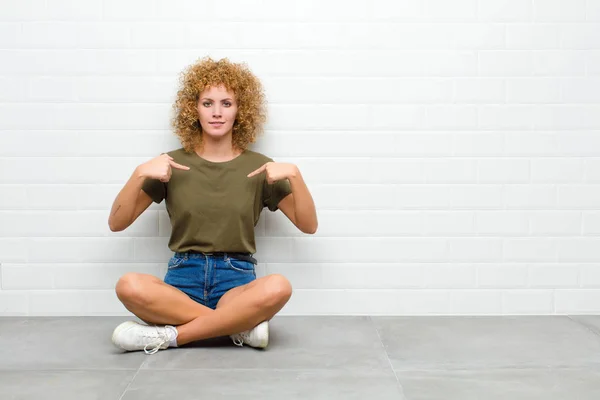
[205, 278]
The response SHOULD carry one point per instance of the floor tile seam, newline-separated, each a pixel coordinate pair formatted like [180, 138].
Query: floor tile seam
[357, 370]
[387, 356]
[75, 369]
[65, 369]
[132, 379]
[502, 368]
[340, 369]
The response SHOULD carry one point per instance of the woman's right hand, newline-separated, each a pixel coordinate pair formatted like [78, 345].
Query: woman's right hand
[160, 168]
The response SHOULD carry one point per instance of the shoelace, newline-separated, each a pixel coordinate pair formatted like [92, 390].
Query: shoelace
[162, 339]
[238, 339]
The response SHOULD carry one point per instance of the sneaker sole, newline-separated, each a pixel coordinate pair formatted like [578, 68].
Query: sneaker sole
[118, 330]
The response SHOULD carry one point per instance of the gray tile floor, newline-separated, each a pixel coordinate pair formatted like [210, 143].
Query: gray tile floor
[323, 357]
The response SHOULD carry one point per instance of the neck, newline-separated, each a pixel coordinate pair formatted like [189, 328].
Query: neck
[217, 150]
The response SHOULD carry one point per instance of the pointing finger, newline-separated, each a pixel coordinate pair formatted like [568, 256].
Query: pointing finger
[178, 166]
[258, 171]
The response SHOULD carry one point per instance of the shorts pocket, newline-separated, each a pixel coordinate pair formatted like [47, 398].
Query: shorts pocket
[175, 262]
[240, 266]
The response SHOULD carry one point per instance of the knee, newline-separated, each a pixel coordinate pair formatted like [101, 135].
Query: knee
[279, 289]
[129, 288]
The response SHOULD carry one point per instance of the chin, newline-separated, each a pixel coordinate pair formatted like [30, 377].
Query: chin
[215, 135]
[218, 133]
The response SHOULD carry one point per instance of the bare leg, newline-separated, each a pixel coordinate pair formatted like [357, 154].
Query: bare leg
[240, 309]
[156, 302]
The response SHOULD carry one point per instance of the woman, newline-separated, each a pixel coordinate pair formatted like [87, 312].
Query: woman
[214, 189]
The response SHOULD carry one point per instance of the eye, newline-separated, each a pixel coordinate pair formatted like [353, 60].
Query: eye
[227, 104]
[206, 104]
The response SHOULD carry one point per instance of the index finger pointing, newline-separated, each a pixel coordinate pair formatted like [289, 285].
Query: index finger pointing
[258, 171]
[178, 166]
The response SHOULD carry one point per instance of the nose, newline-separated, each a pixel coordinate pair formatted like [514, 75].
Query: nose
[216, 111]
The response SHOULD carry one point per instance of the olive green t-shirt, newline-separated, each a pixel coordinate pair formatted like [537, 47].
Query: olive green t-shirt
[214, 206]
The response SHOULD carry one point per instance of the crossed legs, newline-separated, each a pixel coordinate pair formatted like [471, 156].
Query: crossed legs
[240, 309]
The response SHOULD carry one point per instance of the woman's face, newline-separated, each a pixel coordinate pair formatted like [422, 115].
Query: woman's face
[217, 109]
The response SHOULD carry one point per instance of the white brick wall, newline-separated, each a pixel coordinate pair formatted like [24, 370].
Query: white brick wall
[452, 148]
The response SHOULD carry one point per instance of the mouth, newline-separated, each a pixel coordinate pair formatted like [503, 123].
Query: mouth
[216, 123]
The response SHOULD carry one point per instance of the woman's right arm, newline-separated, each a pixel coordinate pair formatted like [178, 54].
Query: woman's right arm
[130, 203]
[132, 200]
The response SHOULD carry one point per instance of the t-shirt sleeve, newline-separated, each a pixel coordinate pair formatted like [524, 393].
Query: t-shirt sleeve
[155, 189]
[273, 194]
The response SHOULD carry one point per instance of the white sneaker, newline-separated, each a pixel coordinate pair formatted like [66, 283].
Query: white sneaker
[133, 336]
[255, 337]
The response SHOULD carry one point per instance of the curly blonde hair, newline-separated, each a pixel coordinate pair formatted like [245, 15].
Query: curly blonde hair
[248, 90]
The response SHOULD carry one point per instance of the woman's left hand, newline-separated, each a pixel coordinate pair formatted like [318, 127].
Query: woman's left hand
[276, 171]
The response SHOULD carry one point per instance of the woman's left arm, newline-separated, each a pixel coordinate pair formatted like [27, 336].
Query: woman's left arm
[305, 214]
[298, 206]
